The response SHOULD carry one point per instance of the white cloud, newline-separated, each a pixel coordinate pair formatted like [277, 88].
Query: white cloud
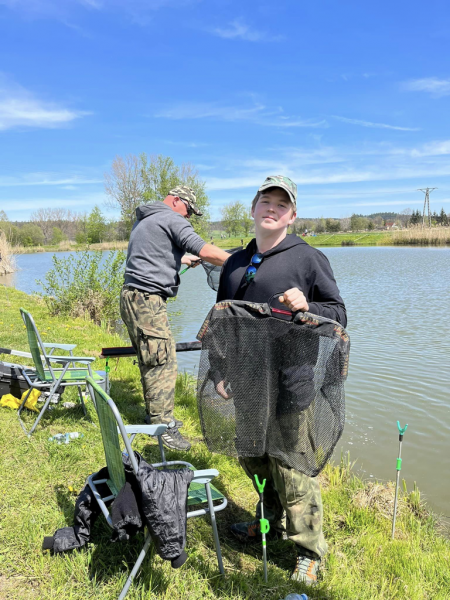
[50, 179]
[322, 167]
[81, 203]
[18, 108]
[434, 86]
[375, 125]
[258, 113]
[238, 30]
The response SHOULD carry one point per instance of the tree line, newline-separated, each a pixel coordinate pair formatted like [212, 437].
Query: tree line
[141, 179]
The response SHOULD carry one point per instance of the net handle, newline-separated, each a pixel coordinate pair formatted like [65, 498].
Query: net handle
[279, 311]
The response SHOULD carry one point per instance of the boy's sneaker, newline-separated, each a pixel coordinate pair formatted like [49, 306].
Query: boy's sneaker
[306, 570]
[251, 532]
[178, 423]
[173, 439]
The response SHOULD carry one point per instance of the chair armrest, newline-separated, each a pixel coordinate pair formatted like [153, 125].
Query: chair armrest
[69, 359]
[67, 347]
[157, 429]
[205, 475]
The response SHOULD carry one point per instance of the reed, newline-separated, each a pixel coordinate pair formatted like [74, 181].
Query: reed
[428, 236]
[7, 262]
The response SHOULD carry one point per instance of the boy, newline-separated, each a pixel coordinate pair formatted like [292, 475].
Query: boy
[276, 262]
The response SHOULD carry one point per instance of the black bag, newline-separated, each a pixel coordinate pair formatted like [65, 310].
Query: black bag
[11, 380]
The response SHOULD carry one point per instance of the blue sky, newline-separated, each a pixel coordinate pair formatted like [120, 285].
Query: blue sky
[350, 99]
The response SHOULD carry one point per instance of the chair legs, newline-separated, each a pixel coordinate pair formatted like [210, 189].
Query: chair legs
[148, 541]
[40, 415]
[212, 515]
[80, 394]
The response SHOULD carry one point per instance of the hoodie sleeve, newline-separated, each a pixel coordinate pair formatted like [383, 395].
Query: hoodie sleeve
[184, 235]
[324, 297]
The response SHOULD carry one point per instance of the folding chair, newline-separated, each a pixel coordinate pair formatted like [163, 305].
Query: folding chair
[111, 425]
[51, 379]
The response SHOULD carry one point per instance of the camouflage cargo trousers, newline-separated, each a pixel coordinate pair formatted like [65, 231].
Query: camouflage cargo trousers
[292, 502]
[145, 316]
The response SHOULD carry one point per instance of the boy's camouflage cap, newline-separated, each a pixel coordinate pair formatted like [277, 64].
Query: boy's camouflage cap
[186, 193]
[283, 182]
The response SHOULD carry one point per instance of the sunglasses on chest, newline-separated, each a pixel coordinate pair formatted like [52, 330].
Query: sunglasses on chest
[253, 267]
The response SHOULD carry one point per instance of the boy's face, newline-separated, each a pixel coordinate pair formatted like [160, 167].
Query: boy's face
[273, 211]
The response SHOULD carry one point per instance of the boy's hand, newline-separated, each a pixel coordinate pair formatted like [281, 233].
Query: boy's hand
[220, 389]
[294, 300]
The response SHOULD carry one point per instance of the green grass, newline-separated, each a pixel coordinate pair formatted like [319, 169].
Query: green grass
[324, 239]
[40, 481]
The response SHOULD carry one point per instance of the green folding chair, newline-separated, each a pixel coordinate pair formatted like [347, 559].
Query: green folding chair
[50, 379]
[200, 489]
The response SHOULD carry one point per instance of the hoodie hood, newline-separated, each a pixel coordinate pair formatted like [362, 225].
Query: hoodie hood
[289, 241]
[147, 210]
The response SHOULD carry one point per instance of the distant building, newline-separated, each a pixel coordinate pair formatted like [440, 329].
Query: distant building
[390, 225]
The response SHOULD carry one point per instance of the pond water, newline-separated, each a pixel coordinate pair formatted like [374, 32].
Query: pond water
[397, 301]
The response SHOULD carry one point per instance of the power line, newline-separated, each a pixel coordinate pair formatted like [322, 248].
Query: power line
[426, 203]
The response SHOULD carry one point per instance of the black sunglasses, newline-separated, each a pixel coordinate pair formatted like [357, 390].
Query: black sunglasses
[190, 210]
[253, 267]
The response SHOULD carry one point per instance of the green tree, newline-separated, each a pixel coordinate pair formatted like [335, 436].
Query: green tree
[3, 216]
[332, 225]
[358, 222]
[139, 180]
[320, 225]
[247, 222]
[95, 226]
[160, 174]
[233, 216]
[31, 235]
[370, 225]
[57, 235]
[443, 219]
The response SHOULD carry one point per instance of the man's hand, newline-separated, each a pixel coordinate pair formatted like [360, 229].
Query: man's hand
[190, 260]
[294, 300]
[220, 389]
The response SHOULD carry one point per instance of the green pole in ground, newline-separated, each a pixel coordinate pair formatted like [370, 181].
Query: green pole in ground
[401, 433]
[263, 522]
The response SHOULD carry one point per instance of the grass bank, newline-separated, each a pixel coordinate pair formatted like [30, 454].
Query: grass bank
[40, 482]
[323, 239]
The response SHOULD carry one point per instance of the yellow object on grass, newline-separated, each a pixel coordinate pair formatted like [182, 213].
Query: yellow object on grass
[10, 401]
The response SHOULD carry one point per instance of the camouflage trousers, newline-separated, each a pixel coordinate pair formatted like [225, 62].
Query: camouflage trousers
[145, 316]
[292, 502]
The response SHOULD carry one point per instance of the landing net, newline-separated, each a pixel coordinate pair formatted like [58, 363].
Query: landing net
[284, 380]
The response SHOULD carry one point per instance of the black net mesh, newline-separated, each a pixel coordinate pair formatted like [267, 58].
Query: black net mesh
[284, 380]
[213, 272]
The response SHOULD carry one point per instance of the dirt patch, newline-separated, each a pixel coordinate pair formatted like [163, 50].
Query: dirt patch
[12, 588]
[379, 497]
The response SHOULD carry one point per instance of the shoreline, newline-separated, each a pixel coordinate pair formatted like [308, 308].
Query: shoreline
[399, 238]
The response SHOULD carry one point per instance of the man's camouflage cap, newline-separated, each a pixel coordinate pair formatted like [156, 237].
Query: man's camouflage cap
[186, 193]
[283, 182]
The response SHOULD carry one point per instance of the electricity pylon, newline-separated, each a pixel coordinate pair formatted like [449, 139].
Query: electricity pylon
[426, 203]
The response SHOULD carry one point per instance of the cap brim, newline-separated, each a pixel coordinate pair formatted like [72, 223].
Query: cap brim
[289, 193]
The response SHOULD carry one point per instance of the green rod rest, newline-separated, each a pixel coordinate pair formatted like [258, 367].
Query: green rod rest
[400, 430]
[260, 485]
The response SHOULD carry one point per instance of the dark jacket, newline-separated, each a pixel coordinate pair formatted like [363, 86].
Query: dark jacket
[291, 264]
[156, 498]
[158, 240]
